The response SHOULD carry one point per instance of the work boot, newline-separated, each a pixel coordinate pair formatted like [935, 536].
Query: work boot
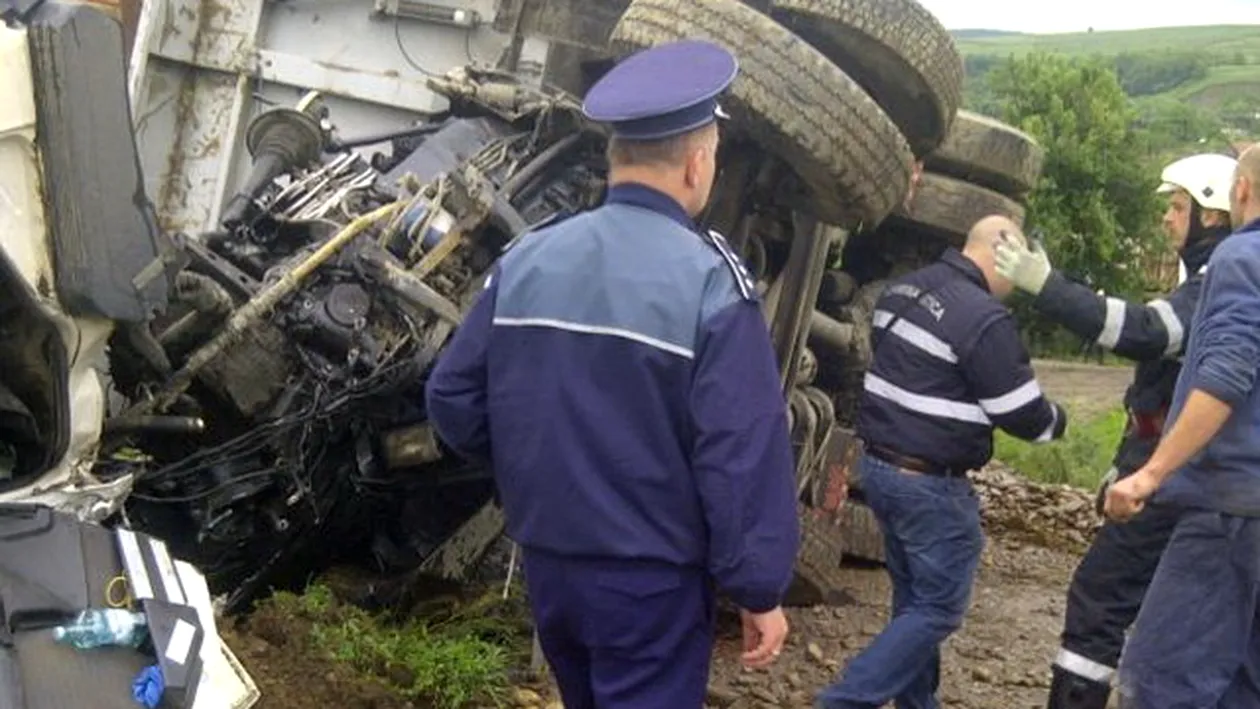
[1067, 691]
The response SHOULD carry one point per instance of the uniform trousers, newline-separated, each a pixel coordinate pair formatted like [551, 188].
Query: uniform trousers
[1102, 602]
[621, 634]
[933, 540]
[1195, 643]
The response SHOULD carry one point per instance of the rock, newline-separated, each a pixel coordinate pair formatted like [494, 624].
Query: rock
[720, 696]
[982, 674]
[816, 653]
[764, 695]
[400, 675]
[526, 698]
[794, 680]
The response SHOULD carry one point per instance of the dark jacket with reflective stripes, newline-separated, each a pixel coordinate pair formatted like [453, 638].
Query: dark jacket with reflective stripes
[947, 367]
[1153, 334]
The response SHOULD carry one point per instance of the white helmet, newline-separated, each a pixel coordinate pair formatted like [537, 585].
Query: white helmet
[1207, 177]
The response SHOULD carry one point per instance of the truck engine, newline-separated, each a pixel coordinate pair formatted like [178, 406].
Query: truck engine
[303, 437]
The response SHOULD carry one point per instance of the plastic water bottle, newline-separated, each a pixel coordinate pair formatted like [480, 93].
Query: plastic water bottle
[99, 627]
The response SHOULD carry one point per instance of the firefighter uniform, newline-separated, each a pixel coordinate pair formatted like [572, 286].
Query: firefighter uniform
[1109, 583]
[618, 376]
[948, 366]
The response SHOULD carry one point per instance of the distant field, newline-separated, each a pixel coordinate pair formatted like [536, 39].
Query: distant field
[1234, 49]
[1220, 40]
[1221, 83]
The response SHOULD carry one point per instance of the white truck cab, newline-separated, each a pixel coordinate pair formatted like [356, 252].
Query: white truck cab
[81, 259]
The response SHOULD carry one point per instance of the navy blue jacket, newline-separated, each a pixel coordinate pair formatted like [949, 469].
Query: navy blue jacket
[948, 365]
[1222, 359]
[618, 376]
[1154, 334]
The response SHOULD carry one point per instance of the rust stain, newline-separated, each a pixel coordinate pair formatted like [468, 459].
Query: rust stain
[174, 189]
[208, 148]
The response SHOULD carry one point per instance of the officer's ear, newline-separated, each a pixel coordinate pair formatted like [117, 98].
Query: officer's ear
[693, 171]
[701, 151]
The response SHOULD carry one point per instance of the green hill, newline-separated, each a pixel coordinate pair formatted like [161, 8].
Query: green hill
[1229, 54]
[1216, 39]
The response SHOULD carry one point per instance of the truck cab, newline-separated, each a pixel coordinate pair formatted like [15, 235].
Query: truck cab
[81, 262]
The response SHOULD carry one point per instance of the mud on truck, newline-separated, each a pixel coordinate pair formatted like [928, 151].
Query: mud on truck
[236, 234]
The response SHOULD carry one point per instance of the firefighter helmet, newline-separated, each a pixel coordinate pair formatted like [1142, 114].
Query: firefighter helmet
[1206, 177]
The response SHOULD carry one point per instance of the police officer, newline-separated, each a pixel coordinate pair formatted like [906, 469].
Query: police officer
[947, 367]
[1108, 585]
[618, 376]
[1196, 639]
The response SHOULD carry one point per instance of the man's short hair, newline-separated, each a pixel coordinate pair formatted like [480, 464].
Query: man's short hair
[643, 153]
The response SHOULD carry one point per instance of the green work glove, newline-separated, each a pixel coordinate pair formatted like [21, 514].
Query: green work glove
[1026, 269]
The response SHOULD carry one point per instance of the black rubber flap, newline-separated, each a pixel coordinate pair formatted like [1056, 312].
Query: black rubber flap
[104, 229]
[42, 575]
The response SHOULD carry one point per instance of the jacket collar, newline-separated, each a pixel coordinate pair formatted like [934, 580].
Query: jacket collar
[1196, 254]
[640, 195]
[1253, 225]
[955, 259]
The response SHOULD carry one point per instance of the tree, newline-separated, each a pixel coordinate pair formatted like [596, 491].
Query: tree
[1096, 201]
[1176, 128]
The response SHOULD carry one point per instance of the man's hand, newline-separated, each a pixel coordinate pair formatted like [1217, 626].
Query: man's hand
[764, 635]
[1100, 499]
[1026, 270]
[1127, 497]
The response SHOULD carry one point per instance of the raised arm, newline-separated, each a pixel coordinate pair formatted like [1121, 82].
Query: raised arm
[1137, 331]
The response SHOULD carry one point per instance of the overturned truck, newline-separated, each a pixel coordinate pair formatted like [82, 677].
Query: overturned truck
[265, 248]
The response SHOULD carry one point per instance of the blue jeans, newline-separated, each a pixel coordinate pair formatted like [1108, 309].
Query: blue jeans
[933, 540]
[1196, 641]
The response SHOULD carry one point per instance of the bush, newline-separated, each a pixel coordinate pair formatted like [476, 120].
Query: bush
[1080, 459]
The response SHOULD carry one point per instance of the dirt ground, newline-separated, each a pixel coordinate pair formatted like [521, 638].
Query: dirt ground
[998, 660]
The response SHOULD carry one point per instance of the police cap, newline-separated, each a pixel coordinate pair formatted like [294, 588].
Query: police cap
[663, 91]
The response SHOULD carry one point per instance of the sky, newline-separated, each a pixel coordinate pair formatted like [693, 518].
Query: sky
[1080, 15]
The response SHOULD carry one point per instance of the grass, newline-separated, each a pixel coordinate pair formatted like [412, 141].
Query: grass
[450, 661]
[1220, 40]
[1080, 459]
[1244, 77]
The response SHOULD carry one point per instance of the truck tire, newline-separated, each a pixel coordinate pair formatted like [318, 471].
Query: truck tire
[819, 579]
[896, 50]
[908, 248]
[795, 103]
[989, 153]
[860, 532]
[948, 207]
